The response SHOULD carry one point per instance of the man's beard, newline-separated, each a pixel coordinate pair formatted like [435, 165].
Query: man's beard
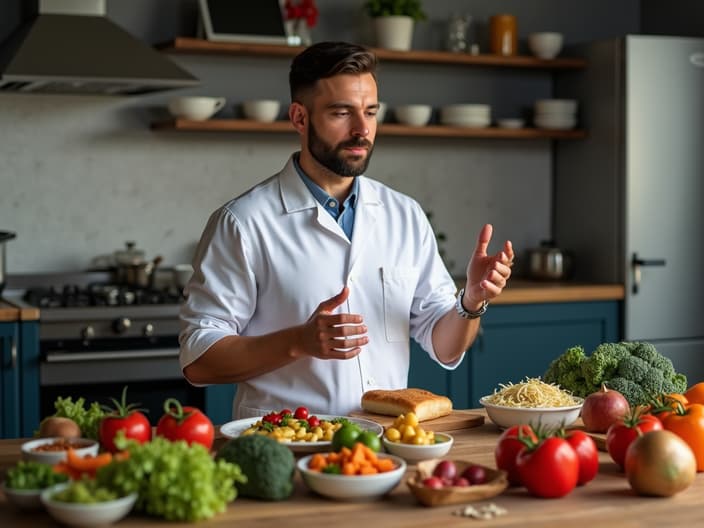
[331, 157]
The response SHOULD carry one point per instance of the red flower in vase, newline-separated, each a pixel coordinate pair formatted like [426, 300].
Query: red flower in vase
[304, 9]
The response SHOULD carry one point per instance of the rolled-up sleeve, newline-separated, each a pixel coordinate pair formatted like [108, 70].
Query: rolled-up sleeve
[221, 295]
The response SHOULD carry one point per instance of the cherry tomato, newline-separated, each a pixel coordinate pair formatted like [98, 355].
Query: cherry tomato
[313, 421]
[185, 423]
[587, 453]
[125, 418]
[301, 413]
[507, 450]
[272, 418]
[622, 433]
[550, 470]
[284, 412]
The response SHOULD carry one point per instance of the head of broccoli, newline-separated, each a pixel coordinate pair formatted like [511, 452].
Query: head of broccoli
[268, 465]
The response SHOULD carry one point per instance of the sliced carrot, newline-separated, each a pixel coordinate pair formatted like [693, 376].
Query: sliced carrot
[348, 468]
[384, 464]
[368, 470]
[317, 462]
[87, 463]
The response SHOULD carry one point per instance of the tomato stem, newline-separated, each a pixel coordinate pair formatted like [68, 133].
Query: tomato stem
[173, 408]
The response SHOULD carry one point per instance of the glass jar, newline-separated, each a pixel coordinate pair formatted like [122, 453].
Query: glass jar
[503, 35]
[458, 32]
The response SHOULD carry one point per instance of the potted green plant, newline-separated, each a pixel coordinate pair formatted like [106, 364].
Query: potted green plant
[393, 21]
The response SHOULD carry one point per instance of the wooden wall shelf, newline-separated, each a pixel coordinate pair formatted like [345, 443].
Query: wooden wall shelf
[391, 129]
[187, 45]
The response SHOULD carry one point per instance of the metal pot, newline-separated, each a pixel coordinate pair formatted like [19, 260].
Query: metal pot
[133, 269]
[549, 262]
[4, 237]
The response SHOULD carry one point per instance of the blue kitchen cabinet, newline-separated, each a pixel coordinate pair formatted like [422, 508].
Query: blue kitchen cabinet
[218, 402]
[516, 341]
[19, 378]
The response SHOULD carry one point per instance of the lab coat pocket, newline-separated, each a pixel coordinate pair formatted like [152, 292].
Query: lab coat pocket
[399, 286]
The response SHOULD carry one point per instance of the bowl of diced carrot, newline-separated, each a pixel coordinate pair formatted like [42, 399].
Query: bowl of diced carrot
[352, 474]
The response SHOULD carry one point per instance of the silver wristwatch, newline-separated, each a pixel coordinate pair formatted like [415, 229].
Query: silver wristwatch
[465, 314]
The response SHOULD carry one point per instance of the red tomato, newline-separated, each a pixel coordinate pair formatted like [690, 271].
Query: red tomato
[622, 433]
[549, 470]
[507, 450]
[301, 413]
[272, 418]
[185, 423]
[587, 453]
[284, 412]
[125, 418]
[313, 421]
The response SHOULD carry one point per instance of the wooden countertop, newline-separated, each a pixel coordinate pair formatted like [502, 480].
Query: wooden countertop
[523, 291]
[607, 501]
[10, 312]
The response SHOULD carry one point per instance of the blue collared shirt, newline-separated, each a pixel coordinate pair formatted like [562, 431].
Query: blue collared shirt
[344, 219]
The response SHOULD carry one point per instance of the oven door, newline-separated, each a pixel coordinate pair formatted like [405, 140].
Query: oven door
[151, 374]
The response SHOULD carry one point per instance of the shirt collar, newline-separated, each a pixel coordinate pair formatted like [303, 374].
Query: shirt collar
[321, 196]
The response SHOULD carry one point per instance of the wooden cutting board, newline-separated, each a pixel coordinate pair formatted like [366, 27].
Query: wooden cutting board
[457, 419]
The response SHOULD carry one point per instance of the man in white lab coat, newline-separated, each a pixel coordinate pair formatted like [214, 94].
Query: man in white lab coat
[308, 287]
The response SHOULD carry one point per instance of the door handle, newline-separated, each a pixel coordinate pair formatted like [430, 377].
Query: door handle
[637, 263]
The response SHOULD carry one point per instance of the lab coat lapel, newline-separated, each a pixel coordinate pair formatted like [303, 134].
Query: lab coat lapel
[365, 218]
[296, 197]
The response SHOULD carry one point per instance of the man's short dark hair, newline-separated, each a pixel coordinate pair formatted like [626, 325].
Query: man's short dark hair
[327, 59]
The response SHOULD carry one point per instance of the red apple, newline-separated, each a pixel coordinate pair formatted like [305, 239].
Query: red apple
[602, 408]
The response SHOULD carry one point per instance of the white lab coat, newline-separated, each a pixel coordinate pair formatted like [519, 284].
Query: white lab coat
[268, 258]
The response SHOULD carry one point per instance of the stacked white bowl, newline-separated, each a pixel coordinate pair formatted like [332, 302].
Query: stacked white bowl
[556, 114]
[466, 115]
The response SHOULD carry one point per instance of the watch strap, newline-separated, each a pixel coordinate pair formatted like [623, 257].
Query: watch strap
[467, 314]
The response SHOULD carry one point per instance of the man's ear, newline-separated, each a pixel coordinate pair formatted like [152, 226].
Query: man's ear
[298, 114]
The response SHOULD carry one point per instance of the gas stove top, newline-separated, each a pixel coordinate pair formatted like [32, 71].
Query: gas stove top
[99, 294]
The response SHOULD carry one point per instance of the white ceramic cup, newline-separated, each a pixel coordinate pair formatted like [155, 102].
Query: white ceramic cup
[414, 114]
[263, 110]
[545, 45]
[196, 108]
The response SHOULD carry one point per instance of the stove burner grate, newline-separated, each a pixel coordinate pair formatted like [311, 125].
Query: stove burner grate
[70, 296]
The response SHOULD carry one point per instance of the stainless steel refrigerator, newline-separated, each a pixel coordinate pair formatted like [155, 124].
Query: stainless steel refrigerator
[629, 199]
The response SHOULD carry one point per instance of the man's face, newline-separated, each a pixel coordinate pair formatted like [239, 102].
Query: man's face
[342, 123]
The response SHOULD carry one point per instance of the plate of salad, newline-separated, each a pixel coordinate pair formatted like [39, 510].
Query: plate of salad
[300, 431]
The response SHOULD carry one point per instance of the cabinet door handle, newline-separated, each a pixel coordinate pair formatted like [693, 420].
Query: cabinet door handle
[13, 353]
[637, 263]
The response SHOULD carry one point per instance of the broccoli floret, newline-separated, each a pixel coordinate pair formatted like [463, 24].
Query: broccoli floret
[633, 368]
[645, 351]
[630, 390]
[268, 465]
[566, 371]
[603, 363]
[680, 383]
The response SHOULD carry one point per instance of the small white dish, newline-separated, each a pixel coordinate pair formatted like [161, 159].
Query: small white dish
[85, 446]
[512, 123]
[237, 427]
[80, 514]
[414, 453]
[551, 417]
[545, 45]
[414, 114]
[352, 487]
[262, 110]
[556, 106]
[23, 498]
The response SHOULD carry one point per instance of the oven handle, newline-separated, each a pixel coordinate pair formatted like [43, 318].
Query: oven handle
[58, 357]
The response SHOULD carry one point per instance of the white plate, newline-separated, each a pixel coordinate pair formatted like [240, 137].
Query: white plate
[237, 427]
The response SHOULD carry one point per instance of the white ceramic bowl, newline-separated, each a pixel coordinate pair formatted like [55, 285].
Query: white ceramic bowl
[413, 453]
[352, 487]
[552, 417]
[79, 514]
[545, 45]
[465, 110]
[512, 122]
[556, 106]
[555, 122]
[196, 108]
[262, 110]
[414, 114]
[469, 122]
[54, 457]
[23, 498]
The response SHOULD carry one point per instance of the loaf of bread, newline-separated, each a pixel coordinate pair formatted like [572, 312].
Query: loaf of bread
[423, 403]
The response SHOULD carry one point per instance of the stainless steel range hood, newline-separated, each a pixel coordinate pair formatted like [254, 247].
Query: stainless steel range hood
[71, 47]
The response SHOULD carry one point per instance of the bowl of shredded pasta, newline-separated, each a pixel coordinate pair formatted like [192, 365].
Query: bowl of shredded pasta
[532, 402]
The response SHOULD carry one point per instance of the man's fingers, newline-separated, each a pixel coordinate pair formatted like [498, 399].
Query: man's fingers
[330, 304]
[483, 240]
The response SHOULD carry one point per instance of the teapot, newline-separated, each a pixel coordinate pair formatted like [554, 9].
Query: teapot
[549, 262]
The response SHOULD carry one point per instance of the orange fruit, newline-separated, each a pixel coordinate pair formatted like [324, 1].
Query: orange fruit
[695, 394]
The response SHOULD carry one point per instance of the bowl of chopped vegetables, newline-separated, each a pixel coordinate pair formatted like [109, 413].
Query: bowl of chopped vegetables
[25, 482]
[352, 475]
[53, 450]
[85, 503]
[532, 402]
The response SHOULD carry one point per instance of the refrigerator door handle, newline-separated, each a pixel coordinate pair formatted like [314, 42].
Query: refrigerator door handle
[636, 264]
